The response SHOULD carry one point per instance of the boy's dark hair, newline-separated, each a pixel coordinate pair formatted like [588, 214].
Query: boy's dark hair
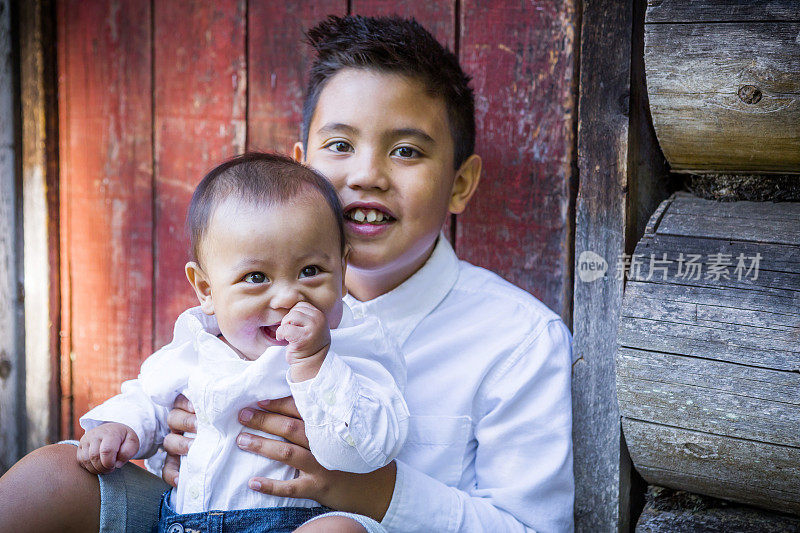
[392, 45]
[255, 177]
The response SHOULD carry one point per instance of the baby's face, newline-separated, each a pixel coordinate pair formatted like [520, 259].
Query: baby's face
[261, 260]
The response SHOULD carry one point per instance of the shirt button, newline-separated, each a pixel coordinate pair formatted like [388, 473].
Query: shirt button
[194, 492]
[349, 440]
[175, 528]
[329, 397]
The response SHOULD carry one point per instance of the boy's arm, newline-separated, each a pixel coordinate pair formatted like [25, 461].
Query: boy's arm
[355, 416]
[523, 462]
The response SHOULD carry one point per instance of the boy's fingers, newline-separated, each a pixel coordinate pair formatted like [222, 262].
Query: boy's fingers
[293, 488]
[177, 444]
[169, 473]
[281, 406]
[290, 428]
[284, 452]
[183, 403]
[180, 420]
[94, 457]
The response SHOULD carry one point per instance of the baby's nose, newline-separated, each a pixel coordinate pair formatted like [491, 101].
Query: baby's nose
[285, 297]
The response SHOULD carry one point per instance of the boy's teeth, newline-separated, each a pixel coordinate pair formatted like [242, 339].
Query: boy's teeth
[369, 215]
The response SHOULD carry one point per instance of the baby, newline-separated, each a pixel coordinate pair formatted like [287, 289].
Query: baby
[268, 269]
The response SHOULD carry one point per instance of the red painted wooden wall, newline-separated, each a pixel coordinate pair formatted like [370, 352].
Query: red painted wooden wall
[149, 99]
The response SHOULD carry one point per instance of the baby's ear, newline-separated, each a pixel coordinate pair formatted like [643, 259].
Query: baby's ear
[297, 152]
[464, 184]
[202, 288]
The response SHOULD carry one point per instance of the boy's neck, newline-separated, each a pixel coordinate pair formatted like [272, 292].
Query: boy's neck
[365, 285]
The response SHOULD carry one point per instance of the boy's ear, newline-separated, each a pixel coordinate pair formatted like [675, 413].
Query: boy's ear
[465, 183]
[297, 152]
[202, 288]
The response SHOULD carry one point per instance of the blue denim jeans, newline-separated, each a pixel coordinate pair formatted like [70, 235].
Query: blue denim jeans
[270, 520]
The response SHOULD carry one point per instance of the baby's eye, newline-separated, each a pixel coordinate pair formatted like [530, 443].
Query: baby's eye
[255, 277]
[309, 271]
[405, 152]
[339, 146]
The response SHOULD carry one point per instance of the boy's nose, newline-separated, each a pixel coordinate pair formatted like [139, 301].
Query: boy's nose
[370, 172]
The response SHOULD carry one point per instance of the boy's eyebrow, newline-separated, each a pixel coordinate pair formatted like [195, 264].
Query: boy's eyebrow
[411, 132]
[338, 127]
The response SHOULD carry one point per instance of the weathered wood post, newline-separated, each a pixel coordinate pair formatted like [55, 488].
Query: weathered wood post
[708, 365]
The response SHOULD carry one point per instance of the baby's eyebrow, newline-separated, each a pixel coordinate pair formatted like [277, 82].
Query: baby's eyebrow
[247, 262]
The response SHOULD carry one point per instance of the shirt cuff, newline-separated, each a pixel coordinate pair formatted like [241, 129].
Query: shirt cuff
[332, 393]
[420, 503]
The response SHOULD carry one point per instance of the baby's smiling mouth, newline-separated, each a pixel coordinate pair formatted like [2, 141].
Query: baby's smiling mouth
[368, 215]
[271, 331]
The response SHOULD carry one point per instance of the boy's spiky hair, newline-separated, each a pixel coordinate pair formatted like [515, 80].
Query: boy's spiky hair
[392, 45]
[259, 178]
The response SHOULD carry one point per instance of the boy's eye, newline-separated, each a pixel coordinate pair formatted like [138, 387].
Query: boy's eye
[339, 146]
[255, 277]
[309, 271]
[406, 152]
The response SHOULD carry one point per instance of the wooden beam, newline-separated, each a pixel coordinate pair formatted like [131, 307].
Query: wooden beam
[40, 220]
[12, 358]
[602, 468]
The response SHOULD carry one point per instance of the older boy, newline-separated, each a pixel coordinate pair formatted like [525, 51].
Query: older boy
[389, 119]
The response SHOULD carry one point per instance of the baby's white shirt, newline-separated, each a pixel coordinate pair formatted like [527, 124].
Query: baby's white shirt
[355, 416]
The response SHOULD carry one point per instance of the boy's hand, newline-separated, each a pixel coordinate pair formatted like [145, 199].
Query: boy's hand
[106, 447]
[306, 330]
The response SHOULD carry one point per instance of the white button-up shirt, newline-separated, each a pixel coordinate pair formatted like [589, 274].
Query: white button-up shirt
[489, 446]
[355, 416]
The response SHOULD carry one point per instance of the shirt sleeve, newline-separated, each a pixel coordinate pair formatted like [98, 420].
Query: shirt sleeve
[135, 409]
[355, 416]
[523, 463]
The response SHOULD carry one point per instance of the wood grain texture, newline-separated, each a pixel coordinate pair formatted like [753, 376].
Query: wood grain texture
[602, 470]
[721, 11]
[278, 61]
[200, 114]
[40, 218]
[521, 58]
[675, 511]
[106, 178]
[695, 75]
[438, 17]
[708, 370]
[12, 358]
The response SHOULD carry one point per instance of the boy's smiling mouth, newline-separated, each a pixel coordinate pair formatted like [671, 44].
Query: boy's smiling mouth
[359, 213]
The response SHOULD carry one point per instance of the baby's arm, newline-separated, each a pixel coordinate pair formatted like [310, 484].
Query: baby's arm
[106, 447]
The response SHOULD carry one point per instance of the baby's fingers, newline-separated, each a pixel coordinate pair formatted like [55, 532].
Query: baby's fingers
[109, 447]
[128, 449]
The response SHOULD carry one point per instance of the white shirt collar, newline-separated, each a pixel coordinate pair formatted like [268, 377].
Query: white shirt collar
[402, 309]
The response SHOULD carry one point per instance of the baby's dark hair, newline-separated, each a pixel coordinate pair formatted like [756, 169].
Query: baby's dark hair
[392, 45]
[255, 177]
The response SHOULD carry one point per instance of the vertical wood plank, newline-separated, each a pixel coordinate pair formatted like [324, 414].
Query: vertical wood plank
[40, 220]
[518, 224]
[12, 360]
[200, 114]
[278, 61]
[602, 468]
[106, 197]
[438, 17]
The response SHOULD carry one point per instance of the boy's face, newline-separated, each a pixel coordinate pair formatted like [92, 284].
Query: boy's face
[259, 261]
[386, 146]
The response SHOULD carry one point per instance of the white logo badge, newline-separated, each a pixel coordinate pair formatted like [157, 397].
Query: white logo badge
[591, 266]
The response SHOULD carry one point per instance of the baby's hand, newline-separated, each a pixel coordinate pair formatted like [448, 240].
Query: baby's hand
[106, 447]
[306, 330]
